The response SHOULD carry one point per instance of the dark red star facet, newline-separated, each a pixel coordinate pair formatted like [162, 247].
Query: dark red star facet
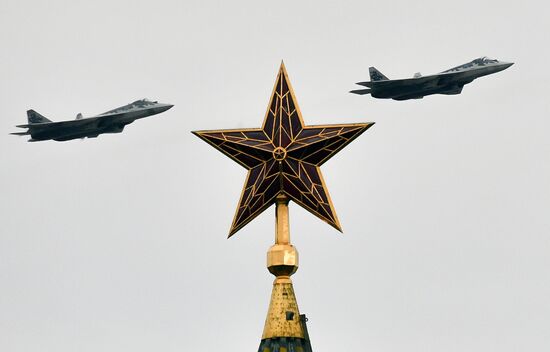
[283, 156]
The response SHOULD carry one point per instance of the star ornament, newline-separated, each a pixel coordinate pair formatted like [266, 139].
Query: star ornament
[284, 156]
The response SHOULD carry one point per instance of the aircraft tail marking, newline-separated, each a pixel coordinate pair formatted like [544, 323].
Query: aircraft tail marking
[34, 117]
[376, 75]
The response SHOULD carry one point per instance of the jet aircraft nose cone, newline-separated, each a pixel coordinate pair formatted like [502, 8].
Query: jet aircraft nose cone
[505, 65]
[500, 66]
[163, 107]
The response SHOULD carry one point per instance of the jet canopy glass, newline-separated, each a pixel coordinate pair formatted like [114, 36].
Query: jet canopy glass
[484, 60]
[143, 103]
[138, 104]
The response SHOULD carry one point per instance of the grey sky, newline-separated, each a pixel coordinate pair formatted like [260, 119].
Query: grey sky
[119, 243]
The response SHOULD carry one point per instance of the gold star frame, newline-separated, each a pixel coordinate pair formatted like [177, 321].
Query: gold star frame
[284, 156]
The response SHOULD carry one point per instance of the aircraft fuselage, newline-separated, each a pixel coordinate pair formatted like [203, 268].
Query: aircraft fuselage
[448, 82]
[114, 121]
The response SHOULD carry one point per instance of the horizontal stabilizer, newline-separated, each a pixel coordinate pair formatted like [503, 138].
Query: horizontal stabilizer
[376, 75]
[365, 84]
[20, 133]
[360, 91]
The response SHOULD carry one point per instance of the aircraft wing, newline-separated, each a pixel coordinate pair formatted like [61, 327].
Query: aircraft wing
[59, 124]
[450, 77]
[406, 82]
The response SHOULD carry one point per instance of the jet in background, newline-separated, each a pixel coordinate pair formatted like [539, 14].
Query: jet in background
[113, 121]
[448, 82]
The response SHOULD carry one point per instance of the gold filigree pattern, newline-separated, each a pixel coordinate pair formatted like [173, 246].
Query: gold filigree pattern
[283, 156]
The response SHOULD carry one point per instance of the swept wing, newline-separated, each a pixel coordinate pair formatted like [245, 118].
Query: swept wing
[400, 82]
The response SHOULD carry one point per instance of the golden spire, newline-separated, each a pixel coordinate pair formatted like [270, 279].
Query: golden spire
[283, 317]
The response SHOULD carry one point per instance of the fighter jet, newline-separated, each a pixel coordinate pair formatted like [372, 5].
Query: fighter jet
[448, 82]
[113, 121]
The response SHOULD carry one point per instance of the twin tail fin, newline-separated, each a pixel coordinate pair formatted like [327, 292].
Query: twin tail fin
[376, 75]
[34, 117]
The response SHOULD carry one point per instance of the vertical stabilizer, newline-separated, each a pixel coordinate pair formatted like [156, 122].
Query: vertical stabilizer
[34, 117]
[376, 75]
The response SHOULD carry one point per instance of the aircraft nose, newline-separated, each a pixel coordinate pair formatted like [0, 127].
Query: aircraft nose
[164, 107]
[505, 65]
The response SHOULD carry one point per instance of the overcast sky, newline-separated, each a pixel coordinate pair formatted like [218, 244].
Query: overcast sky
[119, 243]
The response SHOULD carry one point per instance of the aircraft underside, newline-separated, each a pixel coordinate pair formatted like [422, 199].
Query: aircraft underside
[417, 93]
[67, 135]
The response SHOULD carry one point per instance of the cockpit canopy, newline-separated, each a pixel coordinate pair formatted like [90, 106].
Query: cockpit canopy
[484, 60]
[138, 104]
[143, 103]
